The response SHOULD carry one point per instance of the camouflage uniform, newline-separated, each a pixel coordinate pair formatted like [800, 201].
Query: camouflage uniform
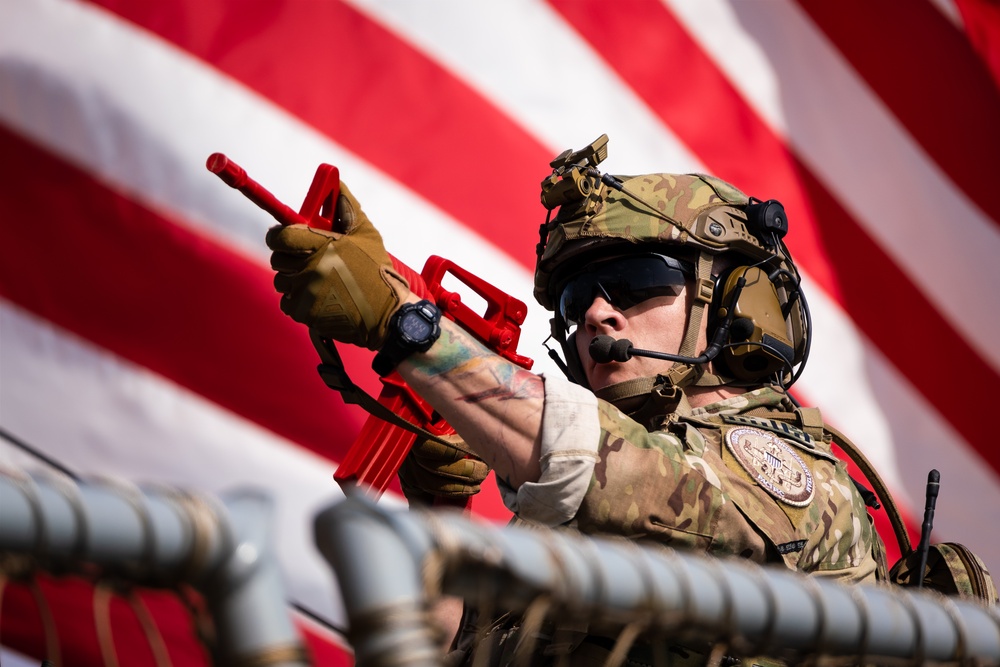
[749, 476]
[784, 497]
[734, 478]
[788, 500]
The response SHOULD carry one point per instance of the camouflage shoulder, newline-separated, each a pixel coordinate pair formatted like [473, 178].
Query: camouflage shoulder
[616, 426]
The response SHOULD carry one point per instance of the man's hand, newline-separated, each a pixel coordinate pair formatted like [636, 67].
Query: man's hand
[341, 284]
[433, 469]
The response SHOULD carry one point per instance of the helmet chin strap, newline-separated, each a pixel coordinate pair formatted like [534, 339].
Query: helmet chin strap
[704, 287]
[648, 400]
[695, 375]
[627, 391]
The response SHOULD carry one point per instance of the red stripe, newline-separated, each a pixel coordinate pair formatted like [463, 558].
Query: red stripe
[361, 85]
[187, 308]
[982, 24]
[70, 601]
[925, 71]
[324, 650]
[740, 148]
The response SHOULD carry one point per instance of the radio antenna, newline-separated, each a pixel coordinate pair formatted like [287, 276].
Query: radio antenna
[933, 485]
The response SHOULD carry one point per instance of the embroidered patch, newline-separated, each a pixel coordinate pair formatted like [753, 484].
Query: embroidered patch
[773, 464]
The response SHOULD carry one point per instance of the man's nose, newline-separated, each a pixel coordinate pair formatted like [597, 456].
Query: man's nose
[601, 315]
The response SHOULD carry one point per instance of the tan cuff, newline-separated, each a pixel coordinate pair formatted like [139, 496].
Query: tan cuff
[570, 439]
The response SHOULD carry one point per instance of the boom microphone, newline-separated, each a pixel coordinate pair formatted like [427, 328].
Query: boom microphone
[605, 349]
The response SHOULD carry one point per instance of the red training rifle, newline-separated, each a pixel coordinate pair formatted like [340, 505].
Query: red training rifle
[378, 452]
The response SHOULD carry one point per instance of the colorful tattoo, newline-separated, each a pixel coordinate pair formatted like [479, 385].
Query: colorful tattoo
[454, 354]
[518, 385]
[459, 356]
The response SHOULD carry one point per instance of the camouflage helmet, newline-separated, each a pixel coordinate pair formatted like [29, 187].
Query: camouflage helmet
[701, 216]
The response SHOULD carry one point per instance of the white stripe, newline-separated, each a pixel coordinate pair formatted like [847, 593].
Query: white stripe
[547, 79]
[11, 659]
[899, 431]
[98, 414]
[949, 11]
[78, 81]
[803, 88]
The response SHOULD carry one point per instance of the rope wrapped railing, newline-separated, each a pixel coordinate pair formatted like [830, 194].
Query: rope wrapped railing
[391, 564]
[161, 537]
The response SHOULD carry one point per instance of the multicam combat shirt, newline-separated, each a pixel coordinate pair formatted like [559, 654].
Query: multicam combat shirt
[717, 480]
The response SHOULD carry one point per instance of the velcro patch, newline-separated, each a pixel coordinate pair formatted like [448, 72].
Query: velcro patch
[772, 463]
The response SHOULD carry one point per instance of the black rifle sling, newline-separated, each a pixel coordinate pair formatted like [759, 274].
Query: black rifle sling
[335, 376]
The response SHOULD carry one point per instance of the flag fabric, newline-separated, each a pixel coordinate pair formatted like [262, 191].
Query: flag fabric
[140, 334]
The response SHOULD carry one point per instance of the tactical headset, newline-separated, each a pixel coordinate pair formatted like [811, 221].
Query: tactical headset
[758, 344]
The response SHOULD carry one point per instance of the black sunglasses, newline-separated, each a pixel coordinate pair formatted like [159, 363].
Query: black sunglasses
[623, 282]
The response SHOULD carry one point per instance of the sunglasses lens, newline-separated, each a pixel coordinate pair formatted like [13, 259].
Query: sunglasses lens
[623, 283]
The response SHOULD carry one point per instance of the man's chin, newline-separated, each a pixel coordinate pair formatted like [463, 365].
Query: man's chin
[605, 375]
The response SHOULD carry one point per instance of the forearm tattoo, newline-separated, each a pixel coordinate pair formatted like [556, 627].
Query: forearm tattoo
[458, 359]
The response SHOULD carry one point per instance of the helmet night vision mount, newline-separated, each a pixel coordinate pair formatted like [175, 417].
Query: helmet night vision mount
[746, 285]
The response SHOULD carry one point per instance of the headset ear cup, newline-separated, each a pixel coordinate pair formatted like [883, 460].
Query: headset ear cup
[797, 320]
[716, 316]
[762, 347]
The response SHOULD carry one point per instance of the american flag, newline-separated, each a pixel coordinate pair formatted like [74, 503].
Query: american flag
[139, 332]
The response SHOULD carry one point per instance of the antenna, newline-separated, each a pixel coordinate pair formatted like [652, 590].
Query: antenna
[933, 486]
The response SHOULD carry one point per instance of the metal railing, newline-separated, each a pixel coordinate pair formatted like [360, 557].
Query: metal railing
[389, 563]
[392, 564]
[161, 537]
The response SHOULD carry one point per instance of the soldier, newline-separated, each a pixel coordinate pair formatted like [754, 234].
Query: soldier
[697, 447]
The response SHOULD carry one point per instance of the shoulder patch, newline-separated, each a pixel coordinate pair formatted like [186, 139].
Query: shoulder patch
[772, 463]
[798, 437]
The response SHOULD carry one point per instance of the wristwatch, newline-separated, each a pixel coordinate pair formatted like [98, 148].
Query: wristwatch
[413, 328]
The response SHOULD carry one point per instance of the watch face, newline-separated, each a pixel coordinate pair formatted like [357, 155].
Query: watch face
[415, 327]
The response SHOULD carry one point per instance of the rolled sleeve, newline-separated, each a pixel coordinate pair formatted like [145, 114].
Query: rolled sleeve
[570, 438]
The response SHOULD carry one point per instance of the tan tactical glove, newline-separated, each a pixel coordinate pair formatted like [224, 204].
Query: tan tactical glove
[341, 284]
[432, 469]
